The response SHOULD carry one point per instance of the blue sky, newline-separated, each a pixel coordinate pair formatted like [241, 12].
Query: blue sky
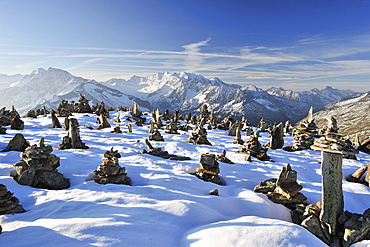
[293, 44]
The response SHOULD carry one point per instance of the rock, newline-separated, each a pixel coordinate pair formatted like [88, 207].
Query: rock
[103, 122]
[54, 120]
[214, 192]
[266, 186]
[356, 227]
[209, 169]
[18, 143]
[160, 153]
[222, 157]
[312, 223]
[9, 204]
[254, 148]
[38, 168]
[83, 106]
[17, 124]
[110, 171]
[365, 146]
[171, 128]
[156, 136]
[356, 177]
[73, 139]
[277, 137]
[199, 137]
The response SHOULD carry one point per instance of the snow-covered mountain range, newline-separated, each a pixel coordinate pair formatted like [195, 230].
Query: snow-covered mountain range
[184, 91]
[351, 113]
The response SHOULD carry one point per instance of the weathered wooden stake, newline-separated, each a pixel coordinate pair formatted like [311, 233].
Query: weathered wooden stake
[332, 193]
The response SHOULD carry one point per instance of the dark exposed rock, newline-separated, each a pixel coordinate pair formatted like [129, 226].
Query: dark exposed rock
[73, 139]
[17, 124]
[277, 137]
[38, 168]
[222, 157]
[156, 136]
[214, 192]
[18, 143]
[110, 171]
[171, 128]
[365, 146]
[9, 204]
[54, 120]
[160, 153]
[266, 186]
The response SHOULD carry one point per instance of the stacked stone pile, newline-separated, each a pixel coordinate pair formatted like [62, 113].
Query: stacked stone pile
[156, 136]
[73, 139]
[238, 138]
[64, 109]
[304, 133]
[333, 142]
[2, 129]
[171, 128]
[209, 169]
[82, 106]
[199, 137]
[364, 146]
[284, 190]
[222, 158]
[110, 171]
[9, 204]
[6, 116]
[253, 147]
[38, 168]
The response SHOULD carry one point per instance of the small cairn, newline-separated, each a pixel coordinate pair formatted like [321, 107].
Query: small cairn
[117, 129]
[288, 128]
[82, 106]
[38, 168]
[31, 114]
[156, 136]
[171, 128]
[209, 169]
[263, 126]
[18, 143]
[64, 109]
[238, 137]
[103, 122]
[160, 153]
[9, 204]
[222, 158]
[156, 119]
[199, 136]
[276, 138]
[304, 133]
[73, 139]
[333, 142]
[110, 171]
[54, 120]
[284, 190]
[253, 147]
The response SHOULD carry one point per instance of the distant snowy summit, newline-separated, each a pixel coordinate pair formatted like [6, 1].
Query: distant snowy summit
[182, 91]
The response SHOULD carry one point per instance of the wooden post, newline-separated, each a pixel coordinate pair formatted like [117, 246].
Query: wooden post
[332, 193]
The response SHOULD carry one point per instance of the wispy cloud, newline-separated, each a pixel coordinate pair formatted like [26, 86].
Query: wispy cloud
[30, 65]
[84, 63]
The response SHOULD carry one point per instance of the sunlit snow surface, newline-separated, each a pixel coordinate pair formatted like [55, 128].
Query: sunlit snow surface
[165, 206]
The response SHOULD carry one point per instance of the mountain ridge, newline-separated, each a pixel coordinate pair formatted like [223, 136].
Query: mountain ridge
[184, 91]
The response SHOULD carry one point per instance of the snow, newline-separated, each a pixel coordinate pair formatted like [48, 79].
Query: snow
[166, 205]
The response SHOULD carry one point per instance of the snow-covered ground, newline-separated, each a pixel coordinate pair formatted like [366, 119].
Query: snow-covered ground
[165, 206]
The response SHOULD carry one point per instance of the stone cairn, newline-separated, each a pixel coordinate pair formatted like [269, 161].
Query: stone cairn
[222, 158]
[160, 153]
[288, 128]
[17, 143]
[82, 106]
[209, 169]
[6, 116]
[284, 190]
[110, 171]
[253, 147]
[9, 204]
[199, 136]
[2, 129]
[263, 126]
[304, 133]
[136, 115]
[38, 168]
[171, 128]
[326, 219]
[276, 137]
[54, 120]
[238, 137]
[103, 122]
[64, 109]
[117, 129]
[156, 136]
[17, 124]
[331, 140]
[73, 139]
